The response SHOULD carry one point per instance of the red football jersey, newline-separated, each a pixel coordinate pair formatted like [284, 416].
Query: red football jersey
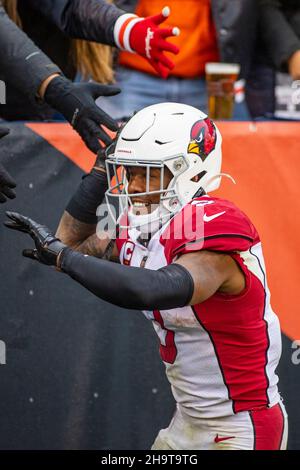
[220, 355]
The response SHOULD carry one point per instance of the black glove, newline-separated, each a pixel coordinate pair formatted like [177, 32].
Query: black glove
[47, 246]
[6, 181]
[76, 101]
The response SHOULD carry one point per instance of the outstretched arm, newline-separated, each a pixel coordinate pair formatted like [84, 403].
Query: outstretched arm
[34, 74]
[191, 280]
[100, 21]
[176, 285]
[92, 20]
[136, 288]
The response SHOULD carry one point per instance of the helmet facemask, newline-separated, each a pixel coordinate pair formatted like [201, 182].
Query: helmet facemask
[142, 216]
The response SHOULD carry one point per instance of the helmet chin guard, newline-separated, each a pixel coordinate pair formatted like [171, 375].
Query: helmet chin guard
[166, 135]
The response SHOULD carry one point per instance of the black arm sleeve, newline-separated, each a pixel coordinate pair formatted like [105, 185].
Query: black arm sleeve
[130, 287]
[89, 195]
[92, 20]
[22, 63]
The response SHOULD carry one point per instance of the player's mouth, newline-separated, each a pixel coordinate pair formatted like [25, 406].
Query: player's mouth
[142, 207]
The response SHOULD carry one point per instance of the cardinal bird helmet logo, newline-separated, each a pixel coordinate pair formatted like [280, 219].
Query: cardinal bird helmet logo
[203, 138]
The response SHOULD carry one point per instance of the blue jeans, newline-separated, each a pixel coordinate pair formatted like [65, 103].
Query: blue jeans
[141, 89]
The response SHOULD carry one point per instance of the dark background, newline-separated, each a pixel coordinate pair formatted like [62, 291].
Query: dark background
[79, 373]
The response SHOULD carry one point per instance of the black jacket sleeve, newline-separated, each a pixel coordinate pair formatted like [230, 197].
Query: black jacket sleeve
[130, 287]
[92, 20]
[279, 37]
[21, 62]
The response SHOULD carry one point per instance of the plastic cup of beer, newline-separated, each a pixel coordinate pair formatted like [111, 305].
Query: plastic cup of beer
[220, 80]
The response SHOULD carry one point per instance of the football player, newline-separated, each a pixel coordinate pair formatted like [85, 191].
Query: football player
[193, 263]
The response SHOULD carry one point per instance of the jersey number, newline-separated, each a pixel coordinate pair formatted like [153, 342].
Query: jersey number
[168, 350]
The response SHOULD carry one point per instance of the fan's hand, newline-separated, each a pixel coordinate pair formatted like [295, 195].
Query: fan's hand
[146, 38]
[76, 101]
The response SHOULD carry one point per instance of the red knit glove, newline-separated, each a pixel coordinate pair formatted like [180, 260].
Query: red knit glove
[143, 36]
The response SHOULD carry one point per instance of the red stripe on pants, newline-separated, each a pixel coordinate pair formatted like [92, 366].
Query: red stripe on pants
[268, 425]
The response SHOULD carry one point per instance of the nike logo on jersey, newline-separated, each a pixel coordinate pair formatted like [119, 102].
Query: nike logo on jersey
[208, 218]
[220, 439]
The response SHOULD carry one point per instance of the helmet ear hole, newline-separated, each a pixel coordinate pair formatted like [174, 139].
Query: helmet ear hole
[198, 177]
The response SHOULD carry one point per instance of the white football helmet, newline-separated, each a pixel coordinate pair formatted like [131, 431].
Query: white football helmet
[172, 135]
